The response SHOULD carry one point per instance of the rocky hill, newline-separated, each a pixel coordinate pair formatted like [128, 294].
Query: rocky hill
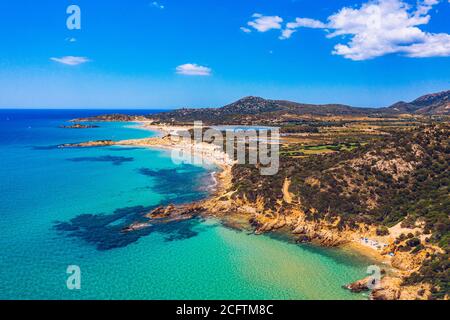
[403, 178]
[251, 105]
[257, 105]
[430, 104]
[256, 110]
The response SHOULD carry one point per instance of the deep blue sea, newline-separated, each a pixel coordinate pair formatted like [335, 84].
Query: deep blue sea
[61, 207]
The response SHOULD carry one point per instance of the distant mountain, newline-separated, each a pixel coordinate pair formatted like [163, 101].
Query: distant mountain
[256, 110]
[430, 104]
[251, 110]
[253, 105]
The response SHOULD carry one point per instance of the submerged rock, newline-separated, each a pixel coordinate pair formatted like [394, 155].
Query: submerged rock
[136, 227]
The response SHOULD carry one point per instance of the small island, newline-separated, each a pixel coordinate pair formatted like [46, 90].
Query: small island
[79, 126]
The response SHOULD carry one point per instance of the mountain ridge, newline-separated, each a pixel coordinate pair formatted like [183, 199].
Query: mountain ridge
[431, 104]
[253, 109]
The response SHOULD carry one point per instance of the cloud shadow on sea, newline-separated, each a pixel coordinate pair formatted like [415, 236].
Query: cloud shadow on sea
[105, 231]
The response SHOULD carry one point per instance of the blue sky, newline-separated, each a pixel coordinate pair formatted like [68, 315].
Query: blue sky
[199, 53]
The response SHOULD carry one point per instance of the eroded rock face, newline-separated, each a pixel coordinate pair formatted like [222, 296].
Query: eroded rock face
[391, 289]
[408, 262]
[321, 232]
[288, 216]
[285, 215]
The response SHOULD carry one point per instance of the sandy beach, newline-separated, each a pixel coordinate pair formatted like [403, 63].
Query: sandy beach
[184, 150]
[199, 153]
[205, 153]
[243, 214]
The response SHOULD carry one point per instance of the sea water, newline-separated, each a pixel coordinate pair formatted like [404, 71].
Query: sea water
[61, 207]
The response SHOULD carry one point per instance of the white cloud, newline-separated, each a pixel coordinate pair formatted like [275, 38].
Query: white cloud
[435, 45]
[300, 22]
[386, 26]
[424, 6]
[306, 22]
[192, 69]
[287, 33]
[71, 39]
[71, 60]
[247, 30]
[265, 23]
[156, 4]
[380, 27]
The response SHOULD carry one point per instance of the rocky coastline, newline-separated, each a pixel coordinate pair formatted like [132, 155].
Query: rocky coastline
[240, 213]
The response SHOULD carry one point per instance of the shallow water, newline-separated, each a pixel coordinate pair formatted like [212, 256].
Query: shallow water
[61, 207]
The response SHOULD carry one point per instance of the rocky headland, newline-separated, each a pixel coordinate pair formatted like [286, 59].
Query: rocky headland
[88, 144]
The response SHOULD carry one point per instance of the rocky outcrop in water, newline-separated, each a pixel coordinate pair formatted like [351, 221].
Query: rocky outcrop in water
[79, 126]
[165, 214]
[359, 286]
[98, 143]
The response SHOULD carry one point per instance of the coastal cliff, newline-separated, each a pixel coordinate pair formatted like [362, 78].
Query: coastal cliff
[365, 199]
[241, 213]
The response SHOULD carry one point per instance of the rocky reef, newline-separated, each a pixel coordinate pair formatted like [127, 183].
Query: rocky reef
[170, 213]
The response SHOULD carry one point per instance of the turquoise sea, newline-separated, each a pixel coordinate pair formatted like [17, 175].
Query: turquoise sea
[61, 207]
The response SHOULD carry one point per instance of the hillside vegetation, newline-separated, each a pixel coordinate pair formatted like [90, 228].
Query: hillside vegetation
[255, 110]
[402, 177]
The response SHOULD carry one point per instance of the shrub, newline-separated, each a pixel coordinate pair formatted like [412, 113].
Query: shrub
[382, 231]
[414, 242]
